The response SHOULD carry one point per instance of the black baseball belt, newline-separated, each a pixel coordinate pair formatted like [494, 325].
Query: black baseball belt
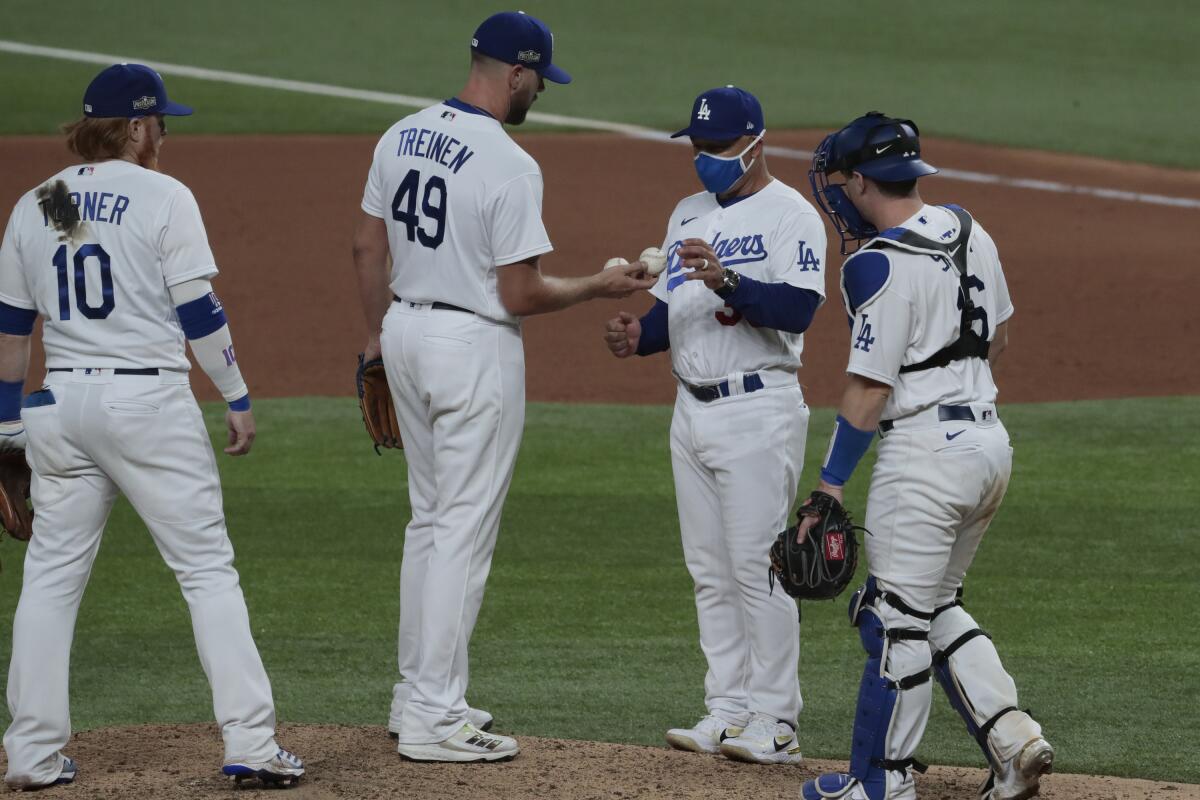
[945, 414]
[437, 306]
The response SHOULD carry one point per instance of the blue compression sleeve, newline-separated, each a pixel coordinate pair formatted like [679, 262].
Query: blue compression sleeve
[846, 449]
[656, 335]
[16, 321]
[201, 316]
[775, 305]
[10, 400]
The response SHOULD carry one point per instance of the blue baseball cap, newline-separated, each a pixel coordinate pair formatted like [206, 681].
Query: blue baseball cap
[881, 147]
[723, 115]
[515, 37]
[129, 90]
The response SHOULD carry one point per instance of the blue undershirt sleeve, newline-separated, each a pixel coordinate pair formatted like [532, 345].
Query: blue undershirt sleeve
[774, 305]
[17, 321]
[656, 335]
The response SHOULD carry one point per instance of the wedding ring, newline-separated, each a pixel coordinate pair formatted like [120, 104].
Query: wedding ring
[704, 266]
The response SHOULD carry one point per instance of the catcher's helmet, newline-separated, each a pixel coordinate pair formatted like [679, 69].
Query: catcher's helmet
[882, 148]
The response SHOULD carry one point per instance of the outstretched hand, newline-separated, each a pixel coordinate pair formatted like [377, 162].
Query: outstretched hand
[623, 280]
[622, 334]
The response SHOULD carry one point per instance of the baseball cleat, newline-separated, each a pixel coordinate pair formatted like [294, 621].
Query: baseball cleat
[283, 770]
[66, 774]
[765, 740]
[476, 716]
[704, 737]
[467, 744]
[1020, 778]
[840, 786]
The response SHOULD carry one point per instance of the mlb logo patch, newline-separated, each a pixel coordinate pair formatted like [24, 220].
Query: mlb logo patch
[86, 170]
[449, 115]
[987, 414]
[835, 546]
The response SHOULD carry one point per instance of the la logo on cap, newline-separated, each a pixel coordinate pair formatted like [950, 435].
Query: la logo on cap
[705, 112]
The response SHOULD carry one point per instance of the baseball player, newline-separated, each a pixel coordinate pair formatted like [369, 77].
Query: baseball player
[456, 204]
[113, 255]
[929, 310]
[744, 277]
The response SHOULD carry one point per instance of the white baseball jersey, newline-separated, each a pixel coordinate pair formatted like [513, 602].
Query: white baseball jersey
[774, 236]
[104, 292]
[904, 308]
[460, 198]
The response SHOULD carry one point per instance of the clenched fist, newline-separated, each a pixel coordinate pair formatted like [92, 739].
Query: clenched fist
[622, 334]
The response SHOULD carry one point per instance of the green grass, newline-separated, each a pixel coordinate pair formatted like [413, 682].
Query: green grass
[1099, 77]
[1086, 581]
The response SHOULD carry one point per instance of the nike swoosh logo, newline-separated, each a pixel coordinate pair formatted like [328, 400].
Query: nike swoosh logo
[782, 745]
[725, 735]
[952, 436]
[879, 150]
[689, 219]
[955, 250]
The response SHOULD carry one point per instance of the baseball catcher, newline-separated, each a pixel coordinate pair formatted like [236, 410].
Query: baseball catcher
[821, 566]
[375, 400]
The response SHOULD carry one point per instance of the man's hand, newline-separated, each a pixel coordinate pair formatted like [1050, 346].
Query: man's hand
[241, 432]
[807, 523]
[12, 436]
[698, 254]
[372, 350]
[622, 281]
[622, 334]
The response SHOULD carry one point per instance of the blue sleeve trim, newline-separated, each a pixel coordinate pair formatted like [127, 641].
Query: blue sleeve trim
[656, 335]
[241, 404]
[864, 276]
[16, 321]
[202, 316]
[10, 400]
[774, 305]
[848, 447]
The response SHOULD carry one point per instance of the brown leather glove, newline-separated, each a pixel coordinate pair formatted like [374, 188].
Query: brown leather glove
[375, 400]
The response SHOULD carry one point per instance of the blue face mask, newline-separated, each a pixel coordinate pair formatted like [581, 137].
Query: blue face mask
[718, 173]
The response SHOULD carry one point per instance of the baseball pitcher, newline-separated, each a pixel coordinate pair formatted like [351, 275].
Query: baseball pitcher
[929, 310]
[112, 254]
[744, 277]
[456, 205]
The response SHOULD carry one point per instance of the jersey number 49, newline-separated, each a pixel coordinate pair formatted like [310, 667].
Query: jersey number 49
[404, 208]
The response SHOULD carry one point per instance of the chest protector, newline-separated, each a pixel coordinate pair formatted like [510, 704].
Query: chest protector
[969, 344]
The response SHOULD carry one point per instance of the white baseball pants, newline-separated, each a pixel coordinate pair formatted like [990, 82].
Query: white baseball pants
[144, 436]
[458, 382]
[737, 463]
[934, 491]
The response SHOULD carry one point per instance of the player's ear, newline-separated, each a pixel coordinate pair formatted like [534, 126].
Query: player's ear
[515, 73]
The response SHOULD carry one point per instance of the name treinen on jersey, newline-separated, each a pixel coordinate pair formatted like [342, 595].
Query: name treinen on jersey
[435, 146]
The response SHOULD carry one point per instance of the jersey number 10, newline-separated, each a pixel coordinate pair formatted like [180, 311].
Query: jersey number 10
[404, 208]
[81, 301]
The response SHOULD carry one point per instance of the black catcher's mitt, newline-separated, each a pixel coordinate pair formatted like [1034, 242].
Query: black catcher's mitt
[822, 565]
[375, 401]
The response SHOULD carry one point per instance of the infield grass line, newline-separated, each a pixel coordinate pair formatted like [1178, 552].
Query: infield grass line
[623, 129]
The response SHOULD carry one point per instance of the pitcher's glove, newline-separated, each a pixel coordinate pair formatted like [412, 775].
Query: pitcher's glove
[16, 514]
[375, 400]
[823, 564]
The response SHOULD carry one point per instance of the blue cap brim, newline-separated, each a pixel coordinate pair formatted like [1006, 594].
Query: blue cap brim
[176, 110]
[556, 74]
[892, 170]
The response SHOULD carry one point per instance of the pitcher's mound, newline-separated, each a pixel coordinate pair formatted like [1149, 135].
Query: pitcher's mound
[183, 761]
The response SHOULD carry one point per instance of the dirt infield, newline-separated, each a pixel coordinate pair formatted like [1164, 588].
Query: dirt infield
[1094, 280]
[169, 762]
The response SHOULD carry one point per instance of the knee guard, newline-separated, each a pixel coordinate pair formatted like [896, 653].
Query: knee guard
[968, 668]
[880, 689]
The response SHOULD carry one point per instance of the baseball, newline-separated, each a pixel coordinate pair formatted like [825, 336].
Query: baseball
[615, 262]
[654, 259]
